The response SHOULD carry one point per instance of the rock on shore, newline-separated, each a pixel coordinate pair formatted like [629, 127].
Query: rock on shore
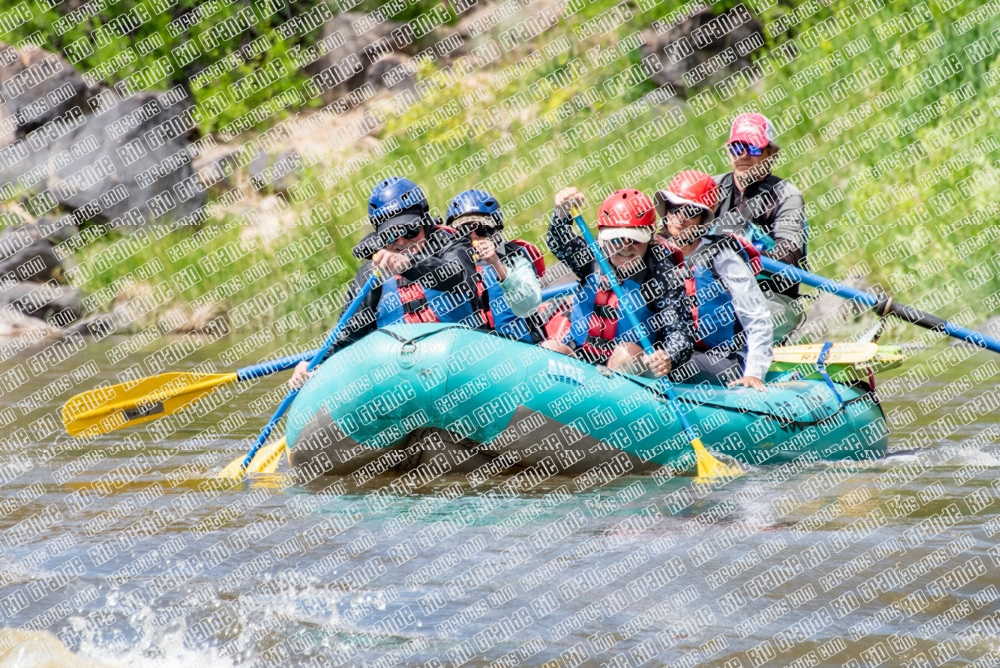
[88, 150]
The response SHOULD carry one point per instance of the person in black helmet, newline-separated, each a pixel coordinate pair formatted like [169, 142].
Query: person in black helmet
[427, 271]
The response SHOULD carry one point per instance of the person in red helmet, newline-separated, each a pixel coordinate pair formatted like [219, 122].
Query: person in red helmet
[751, 194]
[598, 331]
[732, 322]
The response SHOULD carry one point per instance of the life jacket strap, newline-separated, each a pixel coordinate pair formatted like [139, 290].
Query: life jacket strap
[483, 312]
[416, 310]
[603, 323]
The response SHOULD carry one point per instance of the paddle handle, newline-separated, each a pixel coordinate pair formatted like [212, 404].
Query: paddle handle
[901, 311]
[317, 359]
[273, 366]
[647, 345]
[558, 291]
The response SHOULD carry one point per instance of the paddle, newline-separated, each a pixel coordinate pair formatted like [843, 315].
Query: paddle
[105, 409]
[882, 305]
[708, 466]
[839, 353]
[558, 291]
[238, 466]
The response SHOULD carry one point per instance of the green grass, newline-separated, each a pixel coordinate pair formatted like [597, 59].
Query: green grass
[896, 226]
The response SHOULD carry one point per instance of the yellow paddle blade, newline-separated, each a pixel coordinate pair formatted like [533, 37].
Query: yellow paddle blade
[840, 353]
[265, 461]
[105, 409]
[234, 469]
[267, 458]
[710, 468]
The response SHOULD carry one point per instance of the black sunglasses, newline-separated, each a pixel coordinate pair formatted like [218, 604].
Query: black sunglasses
[622, 242]
[407, 232]
[481, 229]
[685, 211]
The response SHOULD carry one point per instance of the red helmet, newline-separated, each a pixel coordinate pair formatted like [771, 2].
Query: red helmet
[627, 208]
[690, 187]
[627, 214]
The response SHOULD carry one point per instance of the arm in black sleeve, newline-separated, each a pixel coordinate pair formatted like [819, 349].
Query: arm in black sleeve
[445, 264]
[569, 248]
[675, 332]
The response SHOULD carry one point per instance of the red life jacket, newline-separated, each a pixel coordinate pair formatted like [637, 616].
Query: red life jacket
[415, 307]
[535, 255]
[557, 327]
[603, 324]
[412, 297]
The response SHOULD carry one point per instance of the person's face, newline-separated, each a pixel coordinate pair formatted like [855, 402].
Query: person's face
[622, 252]
[750, 166]
[683, 221]
[477, 230]
[401, 244]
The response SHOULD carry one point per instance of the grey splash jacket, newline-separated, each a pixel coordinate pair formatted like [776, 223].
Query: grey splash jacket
[777, 208]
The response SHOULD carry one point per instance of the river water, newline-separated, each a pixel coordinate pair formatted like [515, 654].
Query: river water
[128, 552]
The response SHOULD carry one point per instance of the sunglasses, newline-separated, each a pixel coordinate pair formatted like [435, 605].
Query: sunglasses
[622, 242]
[480, 229]
[738, 148]
[686, 211]
[408, 232]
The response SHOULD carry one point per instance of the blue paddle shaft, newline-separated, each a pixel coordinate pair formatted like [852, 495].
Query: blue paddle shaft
[273, 366]
[558, 291]
[647, 345]
[317, 359]
[901, 311]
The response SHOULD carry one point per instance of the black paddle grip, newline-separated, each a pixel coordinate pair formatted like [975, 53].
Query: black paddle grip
[916, 317]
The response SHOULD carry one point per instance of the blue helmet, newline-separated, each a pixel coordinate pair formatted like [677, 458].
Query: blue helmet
[396, 195]
[475, 202]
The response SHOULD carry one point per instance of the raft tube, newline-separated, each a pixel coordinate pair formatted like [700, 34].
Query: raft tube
[461, 400]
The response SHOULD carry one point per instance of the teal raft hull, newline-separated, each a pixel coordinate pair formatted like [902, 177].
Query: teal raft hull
[461, 400]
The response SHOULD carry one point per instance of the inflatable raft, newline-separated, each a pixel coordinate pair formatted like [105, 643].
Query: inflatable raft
[459, 400]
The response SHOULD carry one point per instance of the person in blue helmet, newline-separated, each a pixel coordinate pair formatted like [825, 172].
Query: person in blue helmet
[428, 274]
[507, 272]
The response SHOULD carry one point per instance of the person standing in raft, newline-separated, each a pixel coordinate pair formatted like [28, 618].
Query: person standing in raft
[427, 269]
[598, 331]
[507, 272]
[752, 194]
[733, 327]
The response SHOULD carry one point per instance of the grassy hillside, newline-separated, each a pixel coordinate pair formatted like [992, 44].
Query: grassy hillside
[888, 119]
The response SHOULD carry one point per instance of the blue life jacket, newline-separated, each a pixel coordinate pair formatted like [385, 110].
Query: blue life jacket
[596, 322]
[712, 310]
[411, 302]
[498, 315]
